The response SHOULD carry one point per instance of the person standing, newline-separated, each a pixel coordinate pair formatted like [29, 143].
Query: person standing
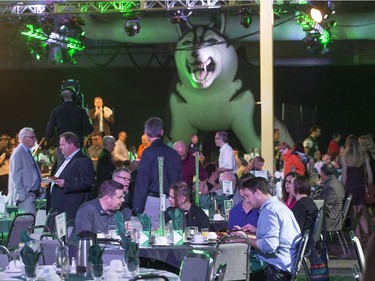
[75, 177]
[121, 153]
[292, 161]
[334, 147]
[145, 143]
[106, 165]
[24, 174]
[95, 149]
[146, 197]
[102, 117]
[68, 117]
[356, 172]
[227, 161]
[311, 144]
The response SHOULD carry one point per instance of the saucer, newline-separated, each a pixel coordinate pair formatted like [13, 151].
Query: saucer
[161, 245]
[199, 243]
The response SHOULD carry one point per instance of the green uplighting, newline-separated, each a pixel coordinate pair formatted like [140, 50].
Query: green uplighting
[32, 32]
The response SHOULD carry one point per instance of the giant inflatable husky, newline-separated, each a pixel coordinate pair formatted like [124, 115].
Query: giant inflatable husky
[215, 90]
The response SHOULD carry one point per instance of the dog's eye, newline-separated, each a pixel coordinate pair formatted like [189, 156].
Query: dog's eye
[212, 41]
[186, 42]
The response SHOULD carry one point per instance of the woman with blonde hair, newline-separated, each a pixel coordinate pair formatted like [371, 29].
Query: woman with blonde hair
[356, 172]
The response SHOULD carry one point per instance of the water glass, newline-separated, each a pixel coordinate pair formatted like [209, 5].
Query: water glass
[62, 261]
[96, 271]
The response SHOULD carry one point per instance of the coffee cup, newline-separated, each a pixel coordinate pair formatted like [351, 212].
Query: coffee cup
[161, 241]
[14, 266]
[198, 238]
[116, 265]
[212, 236]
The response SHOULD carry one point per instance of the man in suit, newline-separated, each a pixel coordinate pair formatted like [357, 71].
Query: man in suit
[24, 174]
[333, 194]
[106, 165]
[68, 117]
[146, 196]
[74, 178]
[101, 117]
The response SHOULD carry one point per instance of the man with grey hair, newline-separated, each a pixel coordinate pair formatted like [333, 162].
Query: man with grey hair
[24, 174]
[146, 197]
[106, 165]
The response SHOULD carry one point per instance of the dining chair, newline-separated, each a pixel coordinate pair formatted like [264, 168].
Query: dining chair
[4, 257]
[21, 222]
[197, 266]
[49, 242]
[300, 255]
[220, 273]
[340, 234]
[358, 252]
[235, 252]
[151, 276]
[50, 219]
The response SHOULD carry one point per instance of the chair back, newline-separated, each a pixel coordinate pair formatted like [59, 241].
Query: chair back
[4, 257]
[50, 219]
[345, 208]
[156, 277]
[21, 222]
[220, 273]
[49, 242]
[358, 251]
[197, 266]
[300, 255]
[318, 226]
[235, 252]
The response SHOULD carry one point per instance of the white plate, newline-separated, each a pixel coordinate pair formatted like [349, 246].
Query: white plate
[13, 271]
[48, 180]
[161, 245]
[199, 243]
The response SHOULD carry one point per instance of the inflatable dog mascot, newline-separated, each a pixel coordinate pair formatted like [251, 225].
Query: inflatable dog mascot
[215, 90]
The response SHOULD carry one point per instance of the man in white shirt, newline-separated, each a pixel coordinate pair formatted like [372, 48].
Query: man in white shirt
[120, 153]
[227, 161]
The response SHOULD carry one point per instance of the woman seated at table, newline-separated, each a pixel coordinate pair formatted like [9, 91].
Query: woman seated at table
[304, 210]
[285, 189]
[180, 197]
[212, 183]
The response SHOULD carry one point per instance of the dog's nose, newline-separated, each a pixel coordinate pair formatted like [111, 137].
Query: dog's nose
[195, 54]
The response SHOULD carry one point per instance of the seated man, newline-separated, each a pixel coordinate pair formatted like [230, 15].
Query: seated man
[277, 233]
[123, 177]
[179, 197]
[333, 194]
[243, 213]
[97, 215]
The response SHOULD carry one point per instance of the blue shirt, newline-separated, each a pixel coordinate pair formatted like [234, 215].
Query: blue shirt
[277, 235]
[238, 216]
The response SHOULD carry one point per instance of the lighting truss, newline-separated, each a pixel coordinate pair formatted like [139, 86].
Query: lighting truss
[102, 7]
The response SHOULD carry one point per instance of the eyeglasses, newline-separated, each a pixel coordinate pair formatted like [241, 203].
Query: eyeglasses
[124, 178]
[95, 139]
[170, 196]
[31, 137]
[217, 138]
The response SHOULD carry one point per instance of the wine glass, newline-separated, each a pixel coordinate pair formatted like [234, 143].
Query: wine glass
[62, 261]
[96, 271]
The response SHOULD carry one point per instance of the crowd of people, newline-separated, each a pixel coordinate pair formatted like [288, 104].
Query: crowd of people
[91, 181]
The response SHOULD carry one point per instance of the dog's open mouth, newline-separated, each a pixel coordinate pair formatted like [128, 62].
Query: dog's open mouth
[201, 72]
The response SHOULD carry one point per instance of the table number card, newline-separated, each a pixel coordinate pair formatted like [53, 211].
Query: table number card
[61, 225]
[228, 204]
[227, 187]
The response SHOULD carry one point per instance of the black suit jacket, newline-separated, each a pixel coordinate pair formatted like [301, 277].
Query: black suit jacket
[69, 117]
[79, 177]
[107, 122]
[105, 167]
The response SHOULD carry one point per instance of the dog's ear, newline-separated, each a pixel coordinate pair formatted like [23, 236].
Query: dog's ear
[184, 26]
[218, 23]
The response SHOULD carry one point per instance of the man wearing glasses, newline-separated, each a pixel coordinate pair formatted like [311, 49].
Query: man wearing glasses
[123, 177]
[24, 174]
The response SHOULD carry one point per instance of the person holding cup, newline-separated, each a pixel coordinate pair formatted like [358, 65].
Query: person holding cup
[180, 197]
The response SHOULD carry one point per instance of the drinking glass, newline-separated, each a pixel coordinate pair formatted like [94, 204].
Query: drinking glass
[205, 233]
[96, 271]
[62, 261]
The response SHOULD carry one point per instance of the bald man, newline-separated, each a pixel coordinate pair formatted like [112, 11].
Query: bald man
[188, 166]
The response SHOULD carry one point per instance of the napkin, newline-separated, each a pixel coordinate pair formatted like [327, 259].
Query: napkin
[29, 258]
[145, 221]
[96, 254]
[177, 218]
[205, 201]
[131, 249]
[220, 201]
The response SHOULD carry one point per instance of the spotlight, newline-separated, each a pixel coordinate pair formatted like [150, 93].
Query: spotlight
[177, 17]
[321, 10]
[245, 17]
[132, 27]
